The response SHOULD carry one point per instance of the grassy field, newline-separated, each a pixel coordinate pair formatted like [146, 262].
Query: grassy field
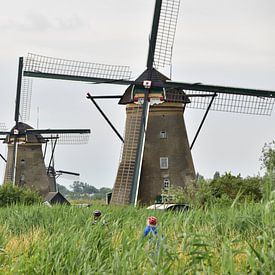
[62, 240]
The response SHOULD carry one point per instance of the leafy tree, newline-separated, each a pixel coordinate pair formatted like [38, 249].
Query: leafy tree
[216, 175]
[89, 189]
[101, 195]
[268, 163]
[76, 187]
[222, 190]
[231, 186]
[63, 190]
[80, 187]
[84, 190]
[105, 190]
[268, 156]
[199, 176]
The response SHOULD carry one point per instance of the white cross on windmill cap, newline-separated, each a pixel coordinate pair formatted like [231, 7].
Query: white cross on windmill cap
[147, 84]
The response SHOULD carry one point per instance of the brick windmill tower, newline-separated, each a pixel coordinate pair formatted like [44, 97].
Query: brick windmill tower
[156, 151]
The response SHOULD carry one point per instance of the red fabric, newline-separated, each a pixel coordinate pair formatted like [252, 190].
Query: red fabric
[152, 220]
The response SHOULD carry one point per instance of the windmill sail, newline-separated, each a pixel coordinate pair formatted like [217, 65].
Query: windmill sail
[166, 32]
[25, 99]
[3, 127]
[3, 132]
[62, 136]
[124, 180]
[57, 68]
[228, 99]
[140, 152]
[232, 103]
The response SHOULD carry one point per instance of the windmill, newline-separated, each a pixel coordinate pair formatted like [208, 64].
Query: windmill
[3, 128]
[52, 173]
[156, 151]
[25, 163]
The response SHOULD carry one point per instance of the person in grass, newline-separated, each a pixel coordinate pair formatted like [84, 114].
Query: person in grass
[97, 217]
[151, 228]
[151, 231]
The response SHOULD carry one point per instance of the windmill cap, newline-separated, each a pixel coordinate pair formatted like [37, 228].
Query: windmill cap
[21, 134]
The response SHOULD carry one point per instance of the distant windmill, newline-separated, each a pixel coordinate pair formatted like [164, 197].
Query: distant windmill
[53, 174]
[156, 152]
[3, 128]
[25, 164]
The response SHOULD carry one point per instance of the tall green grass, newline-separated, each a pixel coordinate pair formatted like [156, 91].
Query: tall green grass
[62, 240]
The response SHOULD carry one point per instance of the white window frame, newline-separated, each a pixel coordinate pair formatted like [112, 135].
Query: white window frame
[163, 163]
[163, 134]
[166, 183]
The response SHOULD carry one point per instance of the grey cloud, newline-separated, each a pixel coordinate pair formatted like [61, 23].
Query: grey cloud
[41, 23]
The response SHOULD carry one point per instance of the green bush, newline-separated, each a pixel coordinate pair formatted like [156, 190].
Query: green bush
[10, 194]
[222, 190]
[249, 188]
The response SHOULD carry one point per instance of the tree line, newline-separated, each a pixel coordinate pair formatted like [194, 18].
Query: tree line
[83, 190]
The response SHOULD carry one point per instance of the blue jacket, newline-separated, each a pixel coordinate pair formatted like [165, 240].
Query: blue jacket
[151, 230]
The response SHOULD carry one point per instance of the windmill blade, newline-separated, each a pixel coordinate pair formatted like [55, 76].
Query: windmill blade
[2, 157]
[63, 136]
[219, 89]
[228, 99]
[139, 154]
[18, 91]
[57, 68]
[68, 173]
[58, 131]
[126, 187]
[25, 99]
[3, 127]
[3, 135]
[16, 118]
[163, 33]
[235, 103]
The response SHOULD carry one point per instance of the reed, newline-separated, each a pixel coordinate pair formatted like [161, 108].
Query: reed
[62, 240]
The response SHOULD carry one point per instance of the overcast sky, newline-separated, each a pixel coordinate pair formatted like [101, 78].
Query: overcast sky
[218, 42]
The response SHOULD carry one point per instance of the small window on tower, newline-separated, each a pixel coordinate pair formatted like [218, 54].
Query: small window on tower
[163, 134]
[166, 183]
[163, 163]
[22, 178]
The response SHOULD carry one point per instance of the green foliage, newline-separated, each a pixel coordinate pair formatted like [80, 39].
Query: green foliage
[222, 190]
[62, 240]
[80, 187]
[227, 189]
[83, 190]
[250, 188]
[10, 194]
[268, 163]
[63, 190]
[268, 156]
